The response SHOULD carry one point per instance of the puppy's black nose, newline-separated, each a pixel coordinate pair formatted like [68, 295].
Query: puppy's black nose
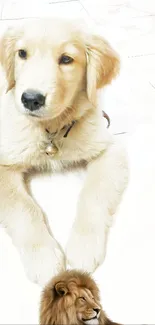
[97, 310]
[32, 100]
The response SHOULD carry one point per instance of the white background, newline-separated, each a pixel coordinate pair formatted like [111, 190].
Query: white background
[127, 277]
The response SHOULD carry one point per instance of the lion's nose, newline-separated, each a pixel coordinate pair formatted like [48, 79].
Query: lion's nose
[97, 310]
[32, 100]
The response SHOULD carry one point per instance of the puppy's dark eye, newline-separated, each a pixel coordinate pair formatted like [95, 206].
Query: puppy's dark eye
[22, 54]
[65, 59]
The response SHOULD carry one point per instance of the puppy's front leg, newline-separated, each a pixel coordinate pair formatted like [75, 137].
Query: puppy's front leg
[24, 222]
[106, 179]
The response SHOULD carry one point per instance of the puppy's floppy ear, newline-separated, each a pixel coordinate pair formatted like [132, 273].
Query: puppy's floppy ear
[102, 65]
[61, 288]
[7, 53]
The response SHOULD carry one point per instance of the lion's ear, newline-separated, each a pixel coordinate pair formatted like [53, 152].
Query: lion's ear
[61, 288]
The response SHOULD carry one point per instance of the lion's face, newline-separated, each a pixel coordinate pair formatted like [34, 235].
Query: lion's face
[71, 298]
[87, 309]
[78, 301]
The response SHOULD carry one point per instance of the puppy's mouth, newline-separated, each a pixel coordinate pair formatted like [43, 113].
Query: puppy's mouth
[37, 113]
[33, 115]
[41, 114]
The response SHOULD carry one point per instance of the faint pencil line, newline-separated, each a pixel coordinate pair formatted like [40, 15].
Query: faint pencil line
[152, 85]
[139, 55]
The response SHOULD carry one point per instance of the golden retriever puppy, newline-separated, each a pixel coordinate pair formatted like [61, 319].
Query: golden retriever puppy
[50, 120]
[72, 298]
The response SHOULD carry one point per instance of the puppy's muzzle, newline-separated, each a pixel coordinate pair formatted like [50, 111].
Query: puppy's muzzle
[32, 100]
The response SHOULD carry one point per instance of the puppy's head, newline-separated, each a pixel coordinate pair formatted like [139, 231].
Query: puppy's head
[49, 62]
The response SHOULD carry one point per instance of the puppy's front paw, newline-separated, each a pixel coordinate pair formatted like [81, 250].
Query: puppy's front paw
[42, 262]
[86, 252]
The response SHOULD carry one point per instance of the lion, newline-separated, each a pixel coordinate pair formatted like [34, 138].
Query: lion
[72, 297]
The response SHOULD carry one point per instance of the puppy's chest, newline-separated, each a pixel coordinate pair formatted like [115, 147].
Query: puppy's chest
[32, 145]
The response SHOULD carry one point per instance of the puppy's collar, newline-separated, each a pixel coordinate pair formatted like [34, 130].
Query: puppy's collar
[69, 127]
[104, 114]
[51, 148]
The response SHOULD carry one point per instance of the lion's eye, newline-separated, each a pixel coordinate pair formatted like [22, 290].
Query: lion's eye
[65, 59]
[22, 54]
[82, 298]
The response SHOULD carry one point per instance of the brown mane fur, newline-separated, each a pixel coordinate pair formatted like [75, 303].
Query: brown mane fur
[59, 310]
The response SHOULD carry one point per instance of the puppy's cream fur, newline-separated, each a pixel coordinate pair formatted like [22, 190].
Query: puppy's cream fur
[70, 92]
